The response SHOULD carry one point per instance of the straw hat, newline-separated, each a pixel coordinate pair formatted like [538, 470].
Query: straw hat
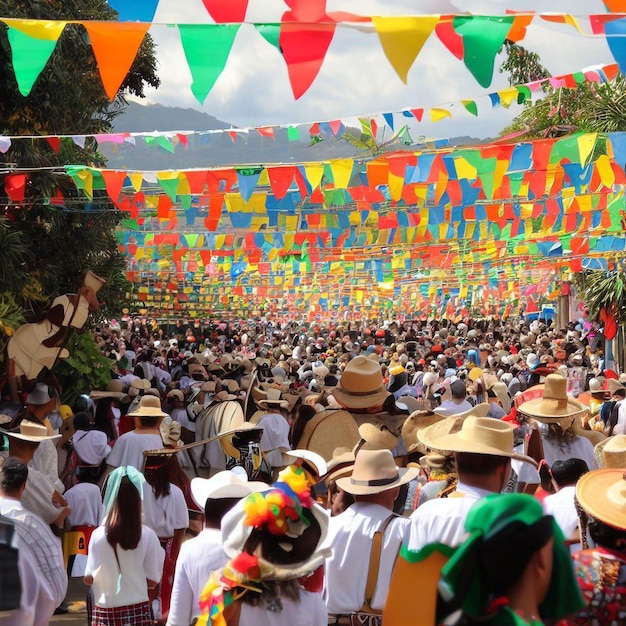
[375, 471]
[149, 406]
[602, 494]
[614, 385]
[114, 389]
[361, 385]
[312, 462]
[30, 431]
[414, 425]
[170, 433]
[475, 373]
[226, 484]
[555, 405]
[474, 435]
[340, 465]
[408, 403]
[227, 444]
[175, 394]
[377, 437]
[273, 400]
[611, 453]
[224, 396]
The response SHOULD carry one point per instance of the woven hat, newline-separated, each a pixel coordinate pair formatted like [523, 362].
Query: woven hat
[273, 399]
[474, 435]
[149, 406]
[611, 452]
[224, 396]
[602, 494]
[176, 394]
[377, 437]
[114, 389]
[414, 425]
[614, 385]
[29, 431]
[408, 403]
[340, 464]
[475, 373]
[361, 385]
[375, 471]
[226, 484]
[555, 405]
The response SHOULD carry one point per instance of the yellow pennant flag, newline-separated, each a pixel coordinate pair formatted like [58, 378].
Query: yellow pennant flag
[436, 115]
[314, 173]
[586, 144]
[403, 38]
[342, 171]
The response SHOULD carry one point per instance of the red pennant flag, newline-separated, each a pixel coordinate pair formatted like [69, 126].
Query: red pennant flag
[15, 187]
[229, 12]
[449, 37]
[280, 180]
[267, 131]
[196, 180]
[55, 143]
[418, 114]
[113, 181]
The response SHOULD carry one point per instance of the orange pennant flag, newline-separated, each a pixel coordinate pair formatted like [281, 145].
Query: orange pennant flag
[115, 46]
[403, 38]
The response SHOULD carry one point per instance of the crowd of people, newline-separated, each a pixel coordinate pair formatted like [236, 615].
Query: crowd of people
[257, 472]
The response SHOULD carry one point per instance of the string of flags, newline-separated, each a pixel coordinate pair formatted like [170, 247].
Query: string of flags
[302, 38]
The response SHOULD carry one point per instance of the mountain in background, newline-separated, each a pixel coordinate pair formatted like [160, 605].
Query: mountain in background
[214, 149]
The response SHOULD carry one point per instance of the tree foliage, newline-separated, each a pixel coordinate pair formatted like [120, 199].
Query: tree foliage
[45, 247]
[522, 65]
[603, 290]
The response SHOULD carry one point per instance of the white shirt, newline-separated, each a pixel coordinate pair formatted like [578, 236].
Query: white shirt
[165, 514]
[580, 448]
[129, 449]
[46, 461]
[181, 416]
[86, 503]
[198, 557]
[275, 438]
[443, 519]
[41, 567]
[451, 407]
[350, 538]
[561, 506]
[91, 446]
[37, 496]
[136, 566]
[620, 426]
[309, 611]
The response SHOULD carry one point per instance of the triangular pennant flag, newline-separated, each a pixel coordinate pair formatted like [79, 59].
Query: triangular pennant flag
[483, 37]
[418, 114]
[615, 6]
[224, 12]
[403, 38]
[470, 106]
[247, 180]
[616, 39]
[113, 182]
[55, 143]
[32, 44]
[449, 37]
[438, 114]
[115, 46]
[271, 34]
[389, 119]
[207, 47]
[304, 48]
[135, 10]
[280, 180]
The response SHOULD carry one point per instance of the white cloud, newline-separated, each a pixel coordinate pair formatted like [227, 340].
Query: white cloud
[356, 78]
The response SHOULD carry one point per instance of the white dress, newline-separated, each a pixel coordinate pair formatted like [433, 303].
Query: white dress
[129, 449]
[166, 514]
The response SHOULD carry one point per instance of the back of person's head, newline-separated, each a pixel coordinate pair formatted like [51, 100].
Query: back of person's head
[568, 472]
[606, 536]
[82, 421]
[215, 509]
[619, 394]
[149, 421]
[458, 390]
[13, 476]
[479, 464]
[123, 523]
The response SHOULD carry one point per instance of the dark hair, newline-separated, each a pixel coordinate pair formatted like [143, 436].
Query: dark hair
[14, 474]
[620, 393]
[479, 464]
[157, 473]
[123, 524]
[301, 416]
[607, 536]
[148, 421]
[568, 472]
[458, 389]
[102, 421]
[82, 421]
[215, 509]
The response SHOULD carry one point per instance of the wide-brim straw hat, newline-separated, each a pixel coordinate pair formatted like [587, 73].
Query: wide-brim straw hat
[611, 453]
[414, 425]
[614, 385]
[375, 471]
[149, 406]
[30, 431]
[114, 389]
[602, 494]
[555, 405]
[480, 410]
[361, 385]
[273, 399]
[474, 435]
[340, 465]
[377, 437]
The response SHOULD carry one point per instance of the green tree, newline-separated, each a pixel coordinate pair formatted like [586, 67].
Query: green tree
[46, 246]
[522, 65]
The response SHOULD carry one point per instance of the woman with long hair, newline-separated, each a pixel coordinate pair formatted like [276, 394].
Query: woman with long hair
[166, 513]
[125, 559]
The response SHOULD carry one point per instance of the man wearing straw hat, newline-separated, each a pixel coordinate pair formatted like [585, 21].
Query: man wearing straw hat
[365, 538]
[483, 449]
[129, 448]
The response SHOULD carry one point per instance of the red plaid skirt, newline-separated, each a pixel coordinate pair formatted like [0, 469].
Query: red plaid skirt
[130, 615]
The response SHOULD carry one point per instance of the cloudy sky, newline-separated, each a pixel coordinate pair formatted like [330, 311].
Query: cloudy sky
[356, 78]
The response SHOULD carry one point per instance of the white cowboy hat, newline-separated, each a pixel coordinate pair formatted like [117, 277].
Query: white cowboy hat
[226, 484]
[311, 461]
[375, 471]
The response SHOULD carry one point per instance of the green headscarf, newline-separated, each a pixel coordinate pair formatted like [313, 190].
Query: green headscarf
[462, 579]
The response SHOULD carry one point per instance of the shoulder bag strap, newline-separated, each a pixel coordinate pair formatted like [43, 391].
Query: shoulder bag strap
[372, 572]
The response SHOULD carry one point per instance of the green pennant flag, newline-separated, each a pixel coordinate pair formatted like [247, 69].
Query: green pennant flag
[271, 34]
[483, 37]
[206, 47]
[30, 54]
[470, 106]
